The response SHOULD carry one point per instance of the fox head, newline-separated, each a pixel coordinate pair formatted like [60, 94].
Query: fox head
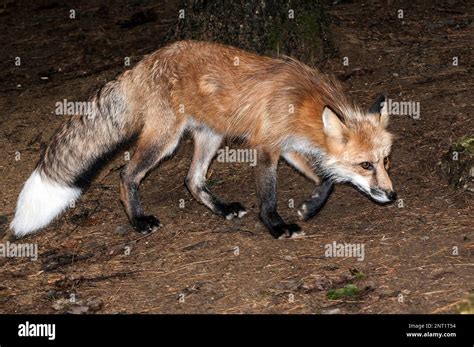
[358, 150]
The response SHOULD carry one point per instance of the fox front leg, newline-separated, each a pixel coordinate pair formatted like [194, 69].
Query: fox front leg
[320, 194]
[311, 207]
[266, 182]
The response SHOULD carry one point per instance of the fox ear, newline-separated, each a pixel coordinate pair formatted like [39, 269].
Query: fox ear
[384, 114]
[333, 127]
[380, 107]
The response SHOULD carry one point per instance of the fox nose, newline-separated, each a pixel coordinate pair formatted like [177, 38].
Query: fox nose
[392, 196]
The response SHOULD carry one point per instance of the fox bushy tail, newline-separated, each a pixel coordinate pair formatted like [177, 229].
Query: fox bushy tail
[68, 162]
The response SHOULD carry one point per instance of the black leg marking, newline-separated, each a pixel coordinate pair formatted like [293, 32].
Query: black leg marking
[266, 174]
[131, 200]
[145, 224]
[277, 227]
[228, 210]
[319, 197]
[149, 153]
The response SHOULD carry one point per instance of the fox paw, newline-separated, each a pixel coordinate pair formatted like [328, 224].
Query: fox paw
[313, 205]
[286, 231]
[146, 224]
[310, 208]
[232, 210]
[305, 211]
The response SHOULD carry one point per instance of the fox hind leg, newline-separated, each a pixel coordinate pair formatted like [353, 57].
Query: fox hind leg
[206, 144]
[151, 148]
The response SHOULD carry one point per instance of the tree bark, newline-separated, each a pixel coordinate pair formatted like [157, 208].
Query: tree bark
[297, 28]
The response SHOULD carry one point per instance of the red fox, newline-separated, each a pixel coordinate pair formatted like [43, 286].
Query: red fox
[280, 107]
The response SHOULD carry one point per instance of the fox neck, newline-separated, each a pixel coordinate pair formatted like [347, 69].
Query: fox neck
[316, 152]
[307, 138]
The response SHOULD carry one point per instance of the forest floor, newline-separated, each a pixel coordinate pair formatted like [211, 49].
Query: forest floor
[418, 252]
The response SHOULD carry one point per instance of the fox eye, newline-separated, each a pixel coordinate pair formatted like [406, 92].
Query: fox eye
[366, 165]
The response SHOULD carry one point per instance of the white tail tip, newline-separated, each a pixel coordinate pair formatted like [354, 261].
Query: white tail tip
[40, 201]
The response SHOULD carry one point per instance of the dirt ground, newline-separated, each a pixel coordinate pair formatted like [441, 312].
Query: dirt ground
[91, 261]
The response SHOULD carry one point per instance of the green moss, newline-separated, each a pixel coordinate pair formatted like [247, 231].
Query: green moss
[349, 290]
[301, 36]
[466, 144]
[308, 25]
[466, 306]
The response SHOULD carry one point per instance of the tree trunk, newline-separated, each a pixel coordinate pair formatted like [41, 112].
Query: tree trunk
[297, 28]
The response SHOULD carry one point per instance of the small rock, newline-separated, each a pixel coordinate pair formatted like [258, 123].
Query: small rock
[333, 311]
[458, 162]
[94, 304]
[121, 230]
[315, 283]
[78, 309]
[387, 293]
[61, 304]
